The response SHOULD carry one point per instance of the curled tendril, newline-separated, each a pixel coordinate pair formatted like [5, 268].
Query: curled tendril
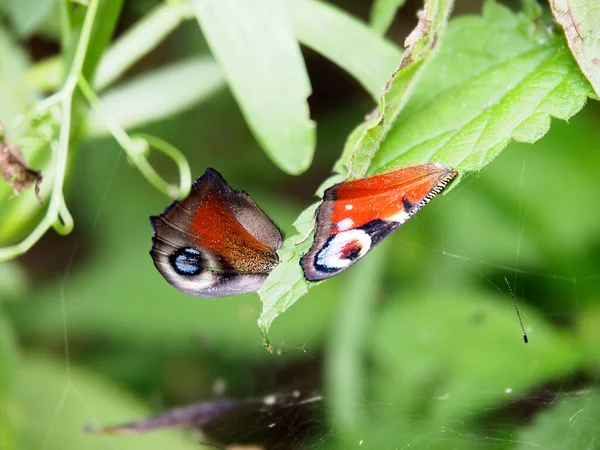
[138, 149]
[170, 151]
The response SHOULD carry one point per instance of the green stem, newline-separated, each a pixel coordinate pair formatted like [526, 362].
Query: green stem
[136, 148]
[126, 51]
[66, 26]
[140, 40]
[57, 214]
[183, 167]
[82, 46]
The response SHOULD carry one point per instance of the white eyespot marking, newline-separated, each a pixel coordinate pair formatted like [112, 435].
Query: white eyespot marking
[345, 224]
[400, 217]
[197, 279]
[348, 207]
[335, 254]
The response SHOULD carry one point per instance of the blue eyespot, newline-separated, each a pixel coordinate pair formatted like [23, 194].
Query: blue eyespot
[187, 261]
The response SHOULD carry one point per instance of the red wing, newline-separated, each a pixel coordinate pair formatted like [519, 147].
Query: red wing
[357, 215]
[383, 196]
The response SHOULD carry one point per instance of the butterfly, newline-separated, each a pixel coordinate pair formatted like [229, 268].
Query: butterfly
[215, 242]
[356, 215]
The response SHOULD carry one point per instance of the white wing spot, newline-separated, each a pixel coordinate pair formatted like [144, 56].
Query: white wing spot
[345, 224]
[348, 207]
[332, 254]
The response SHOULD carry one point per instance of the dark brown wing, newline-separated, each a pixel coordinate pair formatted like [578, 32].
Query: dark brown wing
[215, 242]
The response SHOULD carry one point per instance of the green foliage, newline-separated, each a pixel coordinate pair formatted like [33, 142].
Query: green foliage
[97, 292]
[287, 284]
[158, 95]
[274, 125]
[455, 372]
[508, 78]
[106, 21]
[266, 73]
[345, 41]
[490, 345]
[414, 345]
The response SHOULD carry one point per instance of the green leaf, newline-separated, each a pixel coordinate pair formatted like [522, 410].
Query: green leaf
[571, 422]
[383, 12]
[27, 15]
[422, 44]
[581, 20]
[255, 46]
[158, 94]
[346, 41]
[8, 372]
[286, 284]
[56, 402]
[503, 80]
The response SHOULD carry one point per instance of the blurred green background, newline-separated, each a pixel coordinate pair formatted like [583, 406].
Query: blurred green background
[90, 333]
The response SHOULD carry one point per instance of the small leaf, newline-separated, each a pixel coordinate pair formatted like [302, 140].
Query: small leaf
[287, 287]
[158, 94]
[383, 12]
[254, 44]
[346, 41]
[503, 80]
[571, 422]
[286, 284]
[27, 15]
[581, 21]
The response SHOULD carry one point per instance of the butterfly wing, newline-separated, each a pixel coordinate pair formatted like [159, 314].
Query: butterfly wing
[216, 242]
[357, 215]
